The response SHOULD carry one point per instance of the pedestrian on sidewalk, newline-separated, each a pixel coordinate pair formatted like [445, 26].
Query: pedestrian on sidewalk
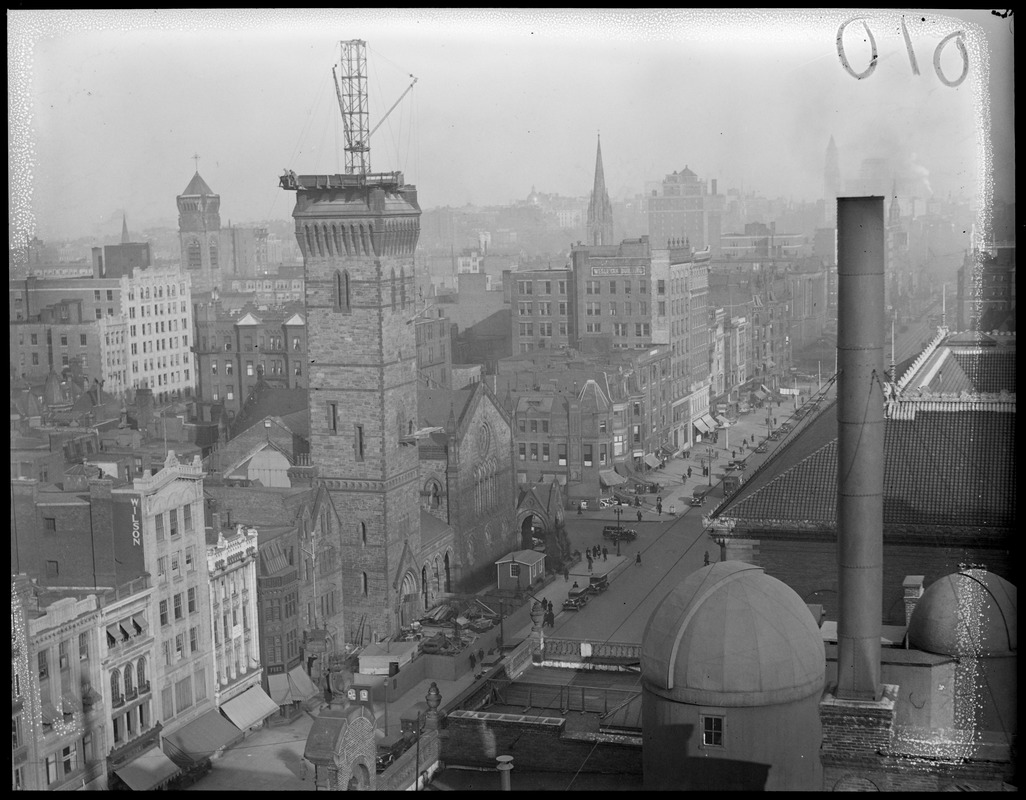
[605, 554]
[774, 422]
[637, 558]
[473, 665]
[566, 573]
[579, 512]
[744, 443]
[689, 472]
[707, 558]
[659, 507]
[733, 453]
[590, 562]
[639, 515]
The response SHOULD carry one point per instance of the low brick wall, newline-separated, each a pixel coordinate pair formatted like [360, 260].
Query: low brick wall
[475, 738]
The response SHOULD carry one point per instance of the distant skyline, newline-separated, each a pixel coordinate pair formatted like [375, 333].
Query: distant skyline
[108, 108]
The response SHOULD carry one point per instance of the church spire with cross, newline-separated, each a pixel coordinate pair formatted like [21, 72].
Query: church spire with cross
[600, 210]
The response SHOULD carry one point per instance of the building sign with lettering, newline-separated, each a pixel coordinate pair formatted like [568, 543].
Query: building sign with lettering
[606, 272]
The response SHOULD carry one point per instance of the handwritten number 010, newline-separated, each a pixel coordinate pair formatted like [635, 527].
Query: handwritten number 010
[958, 36]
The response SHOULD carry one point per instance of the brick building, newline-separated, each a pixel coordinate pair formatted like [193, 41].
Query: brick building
[236, 350]
[467, 482]
[683, 208]
[542, 310]
[434, 350]
[358, 234]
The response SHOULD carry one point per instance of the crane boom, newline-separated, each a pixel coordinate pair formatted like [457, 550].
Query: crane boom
[397, 102]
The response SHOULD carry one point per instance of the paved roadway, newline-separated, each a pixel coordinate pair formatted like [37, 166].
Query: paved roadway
[671, 547]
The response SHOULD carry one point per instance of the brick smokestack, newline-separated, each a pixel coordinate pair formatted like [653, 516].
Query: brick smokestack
[861, 331]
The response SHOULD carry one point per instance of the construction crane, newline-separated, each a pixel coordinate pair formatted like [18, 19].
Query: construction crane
[353, 103]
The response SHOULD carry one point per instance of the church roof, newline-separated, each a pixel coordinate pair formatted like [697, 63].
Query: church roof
[197, 186]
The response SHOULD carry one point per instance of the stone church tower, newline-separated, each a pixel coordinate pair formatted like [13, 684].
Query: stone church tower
[600, 210]
[357, 233]
[199, 233]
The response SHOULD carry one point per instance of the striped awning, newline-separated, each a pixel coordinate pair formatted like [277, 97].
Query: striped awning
[652, 460]
[609, 477]
[149, 771]
[203, 737]
[250, 708]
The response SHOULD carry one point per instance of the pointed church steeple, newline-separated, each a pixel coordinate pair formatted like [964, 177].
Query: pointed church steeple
[600, 210]
[124, 229]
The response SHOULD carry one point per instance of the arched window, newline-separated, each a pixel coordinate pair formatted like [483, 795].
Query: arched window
[402, 287]
[448, 574]
[128, 678]
[424, 585]
[140, 672]
[193, 255]
[363, 537]
[341, 291]
[393, 289]
[115, 684]
[363, 583]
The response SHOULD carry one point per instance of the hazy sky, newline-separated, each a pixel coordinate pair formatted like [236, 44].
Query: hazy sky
[108, 107]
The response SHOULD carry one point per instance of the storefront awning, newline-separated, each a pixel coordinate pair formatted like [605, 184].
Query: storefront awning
[666, 449]
[50, 713]
[609, 478]
[250, 708]
[760, 394]
[295, 687]
[652, 460]
[70, 703]
[622, 469]
[701, 425]
[204, 736]
[139, 620]
[149, 771]
[709, 421]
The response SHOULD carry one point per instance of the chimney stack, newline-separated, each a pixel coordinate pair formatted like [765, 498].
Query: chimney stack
[860, 444]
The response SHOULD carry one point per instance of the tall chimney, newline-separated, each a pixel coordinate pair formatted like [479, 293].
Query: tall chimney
[860, 444]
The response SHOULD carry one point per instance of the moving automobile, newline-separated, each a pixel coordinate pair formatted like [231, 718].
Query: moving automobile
[614, 532]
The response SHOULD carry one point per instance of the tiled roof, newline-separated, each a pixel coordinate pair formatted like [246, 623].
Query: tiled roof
[988, 370]
[942, 469]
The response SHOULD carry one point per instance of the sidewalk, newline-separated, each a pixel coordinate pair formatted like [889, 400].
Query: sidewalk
[738, 441]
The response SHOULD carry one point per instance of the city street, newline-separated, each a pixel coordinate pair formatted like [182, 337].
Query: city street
[671, 546]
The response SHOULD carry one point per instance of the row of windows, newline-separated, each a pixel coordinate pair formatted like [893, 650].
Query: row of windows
[544, 329]
[275, 343]
[595, 287]
[527, 309]
[594, 309]
[147, 293]
[179, 606]
[176, 564]
[178, 698]
[172, 522]
[544, 287]
[175, 650]
[621, 328]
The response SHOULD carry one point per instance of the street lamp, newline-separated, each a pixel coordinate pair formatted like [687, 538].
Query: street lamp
[619, 528]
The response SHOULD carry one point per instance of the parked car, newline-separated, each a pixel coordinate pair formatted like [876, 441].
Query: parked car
[776, 435]
[614, 532]
[578, 593]
[389, 749]
[737, 463]
[785, 428]
[575, 603]
[599, 583]
[762, 448]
